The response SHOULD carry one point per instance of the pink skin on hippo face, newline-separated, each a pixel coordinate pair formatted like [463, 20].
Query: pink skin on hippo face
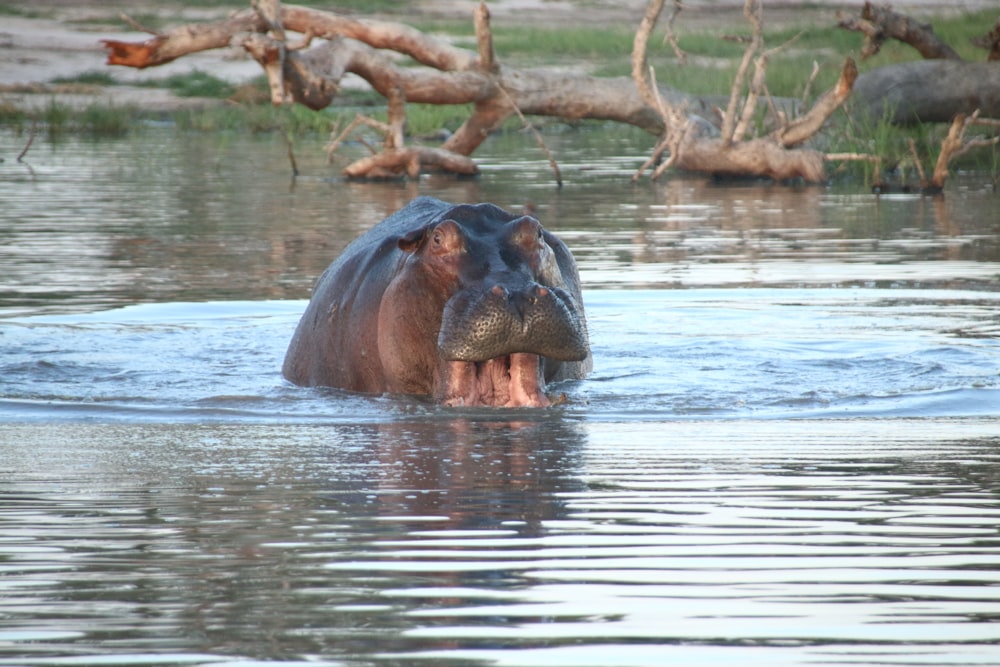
[468, 304]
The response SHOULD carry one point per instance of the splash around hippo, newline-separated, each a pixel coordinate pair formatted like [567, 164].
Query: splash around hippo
[468, 304]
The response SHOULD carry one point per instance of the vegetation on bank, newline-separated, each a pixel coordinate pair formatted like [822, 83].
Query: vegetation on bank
[604, 51]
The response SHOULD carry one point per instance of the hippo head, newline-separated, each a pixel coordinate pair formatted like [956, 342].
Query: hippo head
[499, 311]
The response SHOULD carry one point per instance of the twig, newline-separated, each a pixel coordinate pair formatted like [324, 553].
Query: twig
[916, 163]
[645, 80]
[811, 81]
[291, 154]
[989, 122]
[809, 123]
[31, 140]
[954, 145]
[304, 43]
[670, 37]
[674, 138]
[658, 151]
[670, 141]
[538, 137]
[752, 11]
[866, 157]
[333, 145]
[135, 25]
[758, 84]
[639, 68]
[396, 113]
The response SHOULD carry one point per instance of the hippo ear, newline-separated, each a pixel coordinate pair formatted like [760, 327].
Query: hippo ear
[413, 240]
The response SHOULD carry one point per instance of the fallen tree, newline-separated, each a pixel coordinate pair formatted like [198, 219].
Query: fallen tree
[311, 75]
[449, 75]
[707, 134]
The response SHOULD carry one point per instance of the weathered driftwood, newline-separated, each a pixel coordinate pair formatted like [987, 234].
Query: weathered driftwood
[954, 145]
[730, 152]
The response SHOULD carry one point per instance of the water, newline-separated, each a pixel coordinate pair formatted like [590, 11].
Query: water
[788, 452]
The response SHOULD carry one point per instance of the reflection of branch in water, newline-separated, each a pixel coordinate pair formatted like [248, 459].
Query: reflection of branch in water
[31, 140]
[291, 154]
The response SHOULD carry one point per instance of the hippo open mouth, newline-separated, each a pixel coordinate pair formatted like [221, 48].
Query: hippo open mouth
[485, 324]
[498, 343]
[468, 303]
[508, 381]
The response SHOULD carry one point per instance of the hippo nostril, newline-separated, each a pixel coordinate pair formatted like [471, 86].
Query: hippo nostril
[500, 291]
[540, 292]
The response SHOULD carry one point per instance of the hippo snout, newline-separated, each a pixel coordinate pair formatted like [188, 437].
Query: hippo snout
[485, 323]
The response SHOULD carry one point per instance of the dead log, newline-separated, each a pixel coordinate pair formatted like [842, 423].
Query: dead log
[934, 90]
[879, 23]
[927, 91]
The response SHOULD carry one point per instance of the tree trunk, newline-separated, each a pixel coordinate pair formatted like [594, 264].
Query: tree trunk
[927, 91]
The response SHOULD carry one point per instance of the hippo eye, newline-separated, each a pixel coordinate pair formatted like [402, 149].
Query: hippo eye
[437, 238]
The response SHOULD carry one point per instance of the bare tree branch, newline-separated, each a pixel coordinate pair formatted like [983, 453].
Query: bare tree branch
[881, 23]
[805, 127]
[670, 37]
[752, 12]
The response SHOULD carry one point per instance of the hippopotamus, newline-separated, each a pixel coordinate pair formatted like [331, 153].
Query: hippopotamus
[468, 304]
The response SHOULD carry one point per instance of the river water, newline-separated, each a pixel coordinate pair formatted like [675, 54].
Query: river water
[788, 452]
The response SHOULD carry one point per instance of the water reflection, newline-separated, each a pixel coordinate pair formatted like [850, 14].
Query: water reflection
[462, 475]
[219, 540]
[481, 541]
[172, 216]
[791, 474]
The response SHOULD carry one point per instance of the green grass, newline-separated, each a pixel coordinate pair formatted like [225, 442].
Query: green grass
[96, 120]
[104, 121]
[892, 144]
[92, 77]
[584, 43]
[258, 118]
[18, 9]
[194, 84]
